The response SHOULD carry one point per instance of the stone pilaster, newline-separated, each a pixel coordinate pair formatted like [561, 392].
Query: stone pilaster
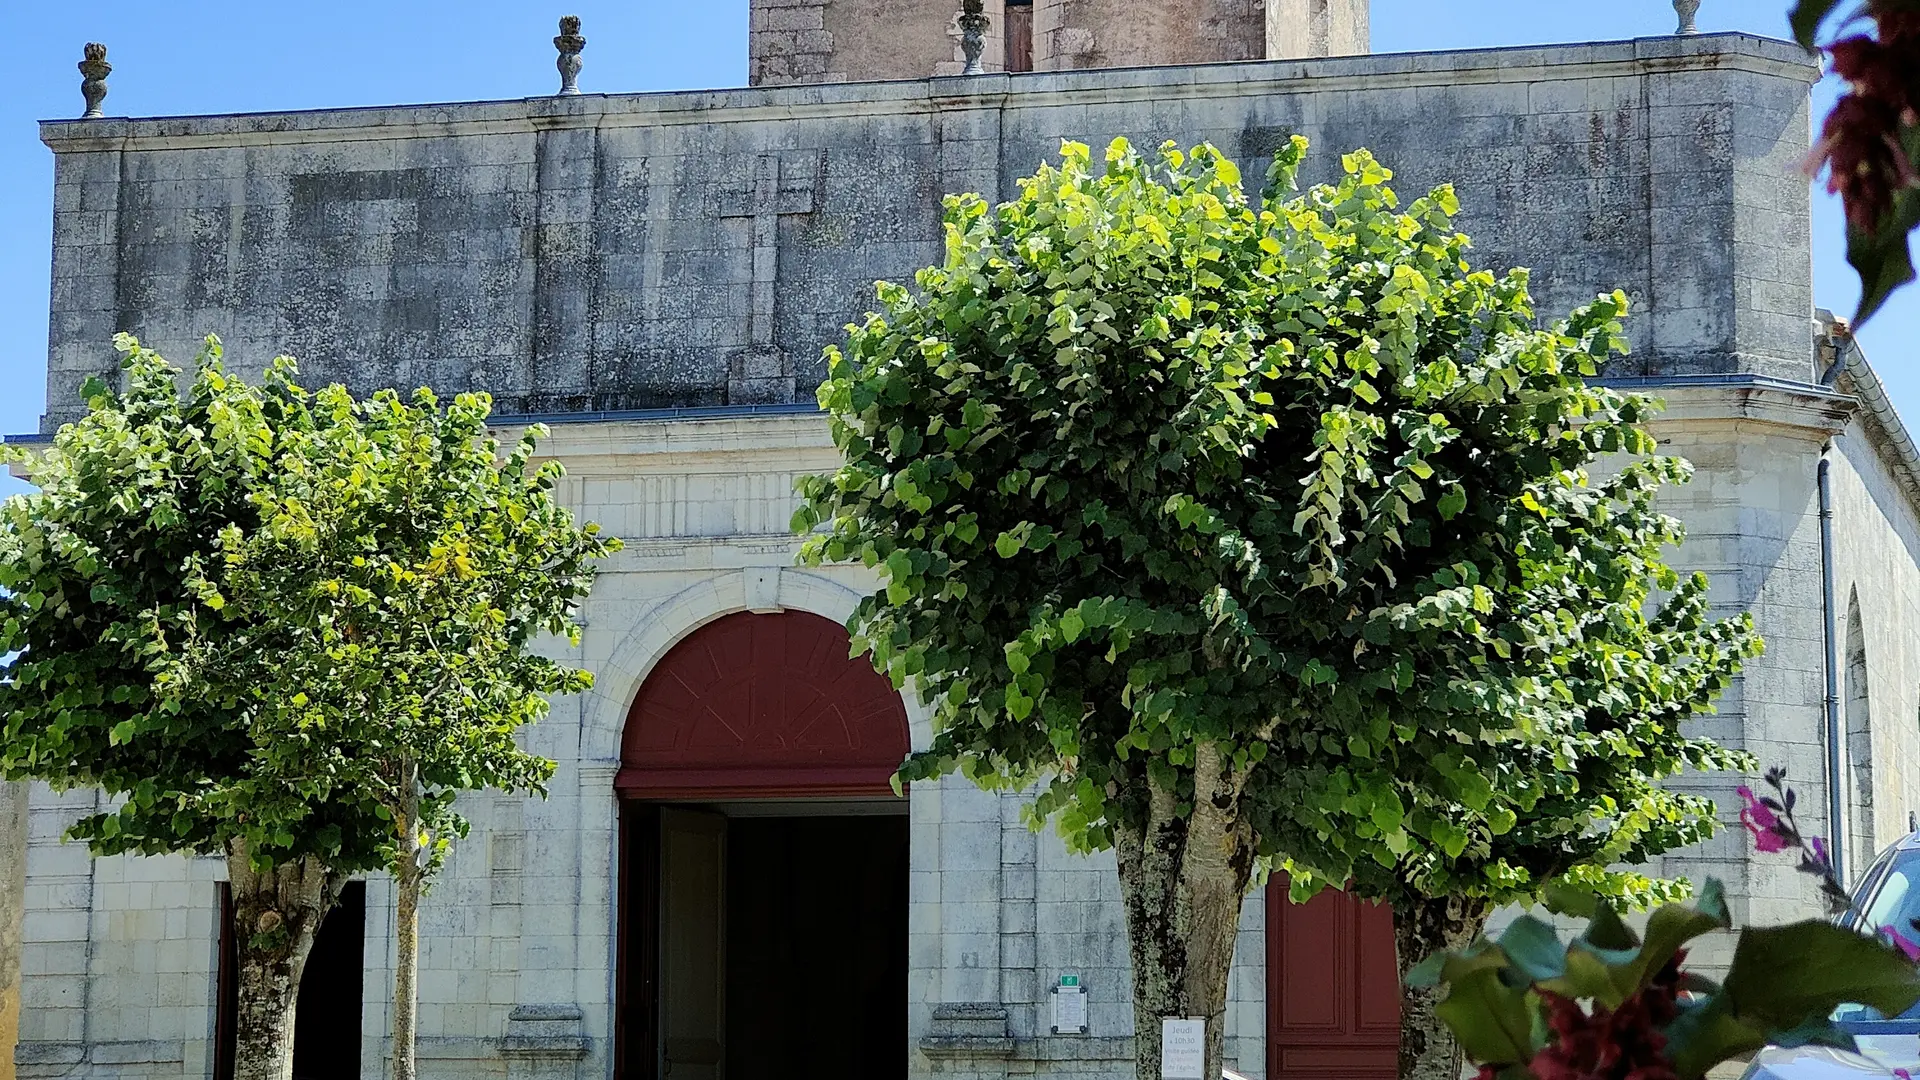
[86, 268]
[1020, 989]
[565, 263]
[13, 899]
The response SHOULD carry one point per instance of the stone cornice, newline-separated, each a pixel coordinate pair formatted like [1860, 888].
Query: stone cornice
[1700, 53]
[1700, 401]
[763, 433]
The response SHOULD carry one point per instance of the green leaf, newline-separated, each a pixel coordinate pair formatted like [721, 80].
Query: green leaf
[1489, 1018]
[1805, 20]
[1567, 898]
[1671, 926]
[1830, 967]
[1883, 257]
[1535, 949]
[1703, 1036]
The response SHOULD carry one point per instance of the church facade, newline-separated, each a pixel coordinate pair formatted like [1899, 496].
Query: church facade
[720, 885]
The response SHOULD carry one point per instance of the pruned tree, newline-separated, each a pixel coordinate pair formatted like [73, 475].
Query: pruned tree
[1247, 533]
[287, 629]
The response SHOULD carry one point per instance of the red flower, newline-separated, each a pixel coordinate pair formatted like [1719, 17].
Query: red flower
[1619, 1044]
[1860, 143]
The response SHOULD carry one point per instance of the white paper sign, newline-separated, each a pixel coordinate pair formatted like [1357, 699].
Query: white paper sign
[1183, 1049]
[1069, 1010]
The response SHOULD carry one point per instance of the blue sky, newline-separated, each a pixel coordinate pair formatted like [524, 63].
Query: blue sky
[179, 56]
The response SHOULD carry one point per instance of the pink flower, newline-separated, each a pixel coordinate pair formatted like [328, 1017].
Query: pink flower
[1761, 822]
[1904, 943]
[1903, 1074]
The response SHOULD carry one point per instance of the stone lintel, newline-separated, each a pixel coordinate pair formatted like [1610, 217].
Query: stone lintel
[546, 1031]
[49, 1053]
[968, 1029]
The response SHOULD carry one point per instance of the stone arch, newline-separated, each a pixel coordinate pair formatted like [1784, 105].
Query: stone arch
[658, 627]
[1857, 709]
[763, 703]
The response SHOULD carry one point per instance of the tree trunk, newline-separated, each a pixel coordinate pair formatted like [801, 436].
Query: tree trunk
[1427, 1048]
[276, 914]
[406, 920]
[1183, 881]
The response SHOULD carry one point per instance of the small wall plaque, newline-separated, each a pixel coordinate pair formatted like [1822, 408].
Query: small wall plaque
[1069, 1007]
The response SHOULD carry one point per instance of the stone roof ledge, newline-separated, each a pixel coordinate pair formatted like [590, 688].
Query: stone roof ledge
[1701, 52]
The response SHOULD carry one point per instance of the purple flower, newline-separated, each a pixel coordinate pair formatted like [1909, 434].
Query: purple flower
[1820, 850]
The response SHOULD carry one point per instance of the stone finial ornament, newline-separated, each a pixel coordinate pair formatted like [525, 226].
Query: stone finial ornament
[570, 44]
[973, 35]
[93, 82]
[1687, 9]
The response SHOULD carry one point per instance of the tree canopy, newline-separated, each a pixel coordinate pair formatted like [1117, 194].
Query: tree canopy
[287, 628]
[1274, 520]
[230, 605]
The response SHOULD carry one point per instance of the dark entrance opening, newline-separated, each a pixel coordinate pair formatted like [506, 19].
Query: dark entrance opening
[763, 860]
[326, 1024]
[326, 1019]
[817, 948]
[763, 943]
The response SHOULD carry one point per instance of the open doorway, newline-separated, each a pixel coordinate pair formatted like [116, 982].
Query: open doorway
[326, 1019]
[765, 941]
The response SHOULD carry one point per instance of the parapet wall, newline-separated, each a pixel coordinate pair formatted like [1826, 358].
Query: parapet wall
[699, 249]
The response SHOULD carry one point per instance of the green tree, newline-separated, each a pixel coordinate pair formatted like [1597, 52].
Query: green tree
[287, 629]
[1248, 533]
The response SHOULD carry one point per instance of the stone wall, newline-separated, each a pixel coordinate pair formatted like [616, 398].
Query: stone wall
[698, 249]
[1877, 598]
[1753, 527]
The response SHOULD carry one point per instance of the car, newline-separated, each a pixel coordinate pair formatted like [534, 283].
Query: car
[1888, 896]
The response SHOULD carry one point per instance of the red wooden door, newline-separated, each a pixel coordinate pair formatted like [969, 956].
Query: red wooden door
[1333, 988]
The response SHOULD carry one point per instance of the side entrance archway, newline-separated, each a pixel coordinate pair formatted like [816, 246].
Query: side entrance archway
[763, 860]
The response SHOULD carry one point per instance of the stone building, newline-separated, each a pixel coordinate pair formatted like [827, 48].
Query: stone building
[720, 869]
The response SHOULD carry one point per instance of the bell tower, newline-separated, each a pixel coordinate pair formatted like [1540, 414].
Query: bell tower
[1297, 29]
[823, 41]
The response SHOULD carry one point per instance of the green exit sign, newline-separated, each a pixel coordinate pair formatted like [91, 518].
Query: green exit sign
[1069, 980]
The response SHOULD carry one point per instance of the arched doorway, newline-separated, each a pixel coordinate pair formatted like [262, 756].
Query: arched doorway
[764, 860]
